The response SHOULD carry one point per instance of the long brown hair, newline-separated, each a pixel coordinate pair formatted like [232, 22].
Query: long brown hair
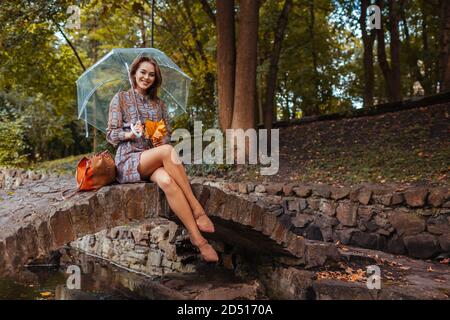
[152, 92]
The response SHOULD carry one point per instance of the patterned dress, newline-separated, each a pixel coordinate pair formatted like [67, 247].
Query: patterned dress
[122, 112]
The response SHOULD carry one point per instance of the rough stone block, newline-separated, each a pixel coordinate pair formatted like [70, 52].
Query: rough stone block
[296, 246]
[406, 223]
[274, 188]
[321, 190]
[317, 254]
[288, 189]
[422, 246]
[415, 197]
[437, 196]
[327, 207]
[242, 188]
[260, 188]
[302, 191]
[61, 228]
[301, 220]
[338, 193]
[346, 213]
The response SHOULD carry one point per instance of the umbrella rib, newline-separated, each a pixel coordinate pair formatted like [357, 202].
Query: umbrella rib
[173, 98]
[163, 60]
[89, 95]
[98, 62]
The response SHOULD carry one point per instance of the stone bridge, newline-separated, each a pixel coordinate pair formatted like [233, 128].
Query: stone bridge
[290, 233]
[239, 222]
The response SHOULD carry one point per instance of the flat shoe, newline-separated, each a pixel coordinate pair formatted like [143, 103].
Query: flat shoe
[207, 252]
[204, 224]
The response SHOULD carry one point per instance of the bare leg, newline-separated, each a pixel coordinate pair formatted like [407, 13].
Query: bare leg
[168, 159]
[151, 163]
[179, 205]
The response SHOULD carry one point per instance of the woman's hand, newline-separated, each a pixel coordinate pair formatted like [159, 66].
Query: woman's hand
[156, 142]
[139, 128]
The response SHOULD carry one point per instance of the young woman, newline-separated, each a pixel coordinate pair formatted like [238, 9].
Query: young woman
[138, 160]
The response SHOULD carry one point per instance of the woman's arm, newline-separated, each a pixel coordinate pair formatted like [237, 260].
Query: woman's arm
[115, 133]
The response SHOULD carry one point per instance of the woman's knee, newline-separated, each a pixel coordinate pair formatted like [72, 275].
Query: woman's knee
[170, 154]
[166, 150]
[166, 182]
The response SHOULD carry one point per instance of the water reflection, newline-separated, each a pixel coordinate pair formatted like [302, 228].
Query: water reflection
[100, 280]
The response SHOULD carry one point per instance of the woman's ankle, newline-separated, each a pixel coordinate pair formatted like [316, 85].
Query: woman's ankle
[198, 211]
[197, 242]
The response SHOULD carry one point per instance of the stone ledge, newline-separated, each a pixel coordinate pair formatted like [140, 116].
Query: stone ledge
[367, 215]
[366, 193]
[259, 228]
[269, 223]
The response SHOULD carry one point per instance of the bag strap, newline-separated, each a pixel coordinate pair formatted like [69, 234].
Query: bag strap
[74, 191]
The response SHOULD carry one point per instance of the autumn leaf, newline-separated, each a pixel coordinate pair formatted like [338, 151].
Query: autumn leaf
[46, 294]
[405, 268]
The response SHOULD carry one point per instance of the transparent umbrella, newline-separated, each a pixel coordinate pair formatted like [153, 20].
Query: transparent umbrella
[97, 85]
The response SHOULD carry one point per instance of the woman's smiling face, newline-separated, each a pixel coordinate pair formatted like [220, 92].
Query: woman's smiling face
[145, 75]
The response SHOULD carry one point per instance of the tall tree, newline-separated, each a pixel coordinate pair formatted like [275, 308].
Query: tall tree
[237, 63]
[271, 83]
[226, 61]
[391, 71]
[368, 42]
[314, 57]
[246, 53]
[444, 41]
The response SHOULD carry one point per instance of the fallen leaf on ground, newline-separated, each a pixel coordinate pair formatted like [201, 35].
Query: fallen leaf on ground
[405, 268]
[46, 294]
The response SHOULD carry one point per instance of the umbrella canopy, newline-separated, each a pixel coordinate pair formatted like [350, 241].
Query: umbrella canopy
[97, 85]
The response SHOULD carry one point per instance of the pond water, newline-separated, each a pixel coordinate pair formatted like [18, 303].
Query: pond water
[101, 280]
[49, 282]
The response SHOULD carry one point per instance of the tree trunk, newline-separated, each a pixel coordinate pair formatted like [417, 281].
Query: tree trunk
[368, 42]
[427, 77]
[143, 29]
[444, 34]
[315, 108]
[207, 8]
[246, 55]
[412, 57]
[391, 73]
[269, 103]
[294, 107]
[395, 50]
[226, 61]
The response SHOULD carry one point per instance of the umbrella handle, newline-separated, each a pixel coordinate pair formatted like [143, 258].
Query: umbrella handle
[134, 131]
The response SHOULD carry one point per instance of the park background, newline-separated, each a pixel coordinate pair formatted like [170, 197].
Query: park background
[294, 62]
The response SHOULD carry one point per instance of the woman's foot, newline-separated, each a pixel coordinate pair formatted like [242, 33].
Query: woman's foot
[204, 224]
[207, 252]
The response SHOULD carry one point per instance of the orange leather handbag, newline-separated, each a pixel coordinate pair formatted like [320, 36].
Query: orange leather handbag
[93, 173]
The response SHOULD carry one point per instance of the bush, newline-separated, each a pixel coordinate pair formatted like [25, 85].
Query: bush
[12, 143]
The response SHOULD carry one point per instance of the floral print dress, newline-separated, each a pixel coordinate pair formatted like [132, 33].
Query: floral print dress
[122, 113]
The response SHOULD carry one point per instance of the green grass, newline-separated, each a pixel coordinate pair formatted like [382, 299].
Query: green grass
[401, 147]
[61, 166]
